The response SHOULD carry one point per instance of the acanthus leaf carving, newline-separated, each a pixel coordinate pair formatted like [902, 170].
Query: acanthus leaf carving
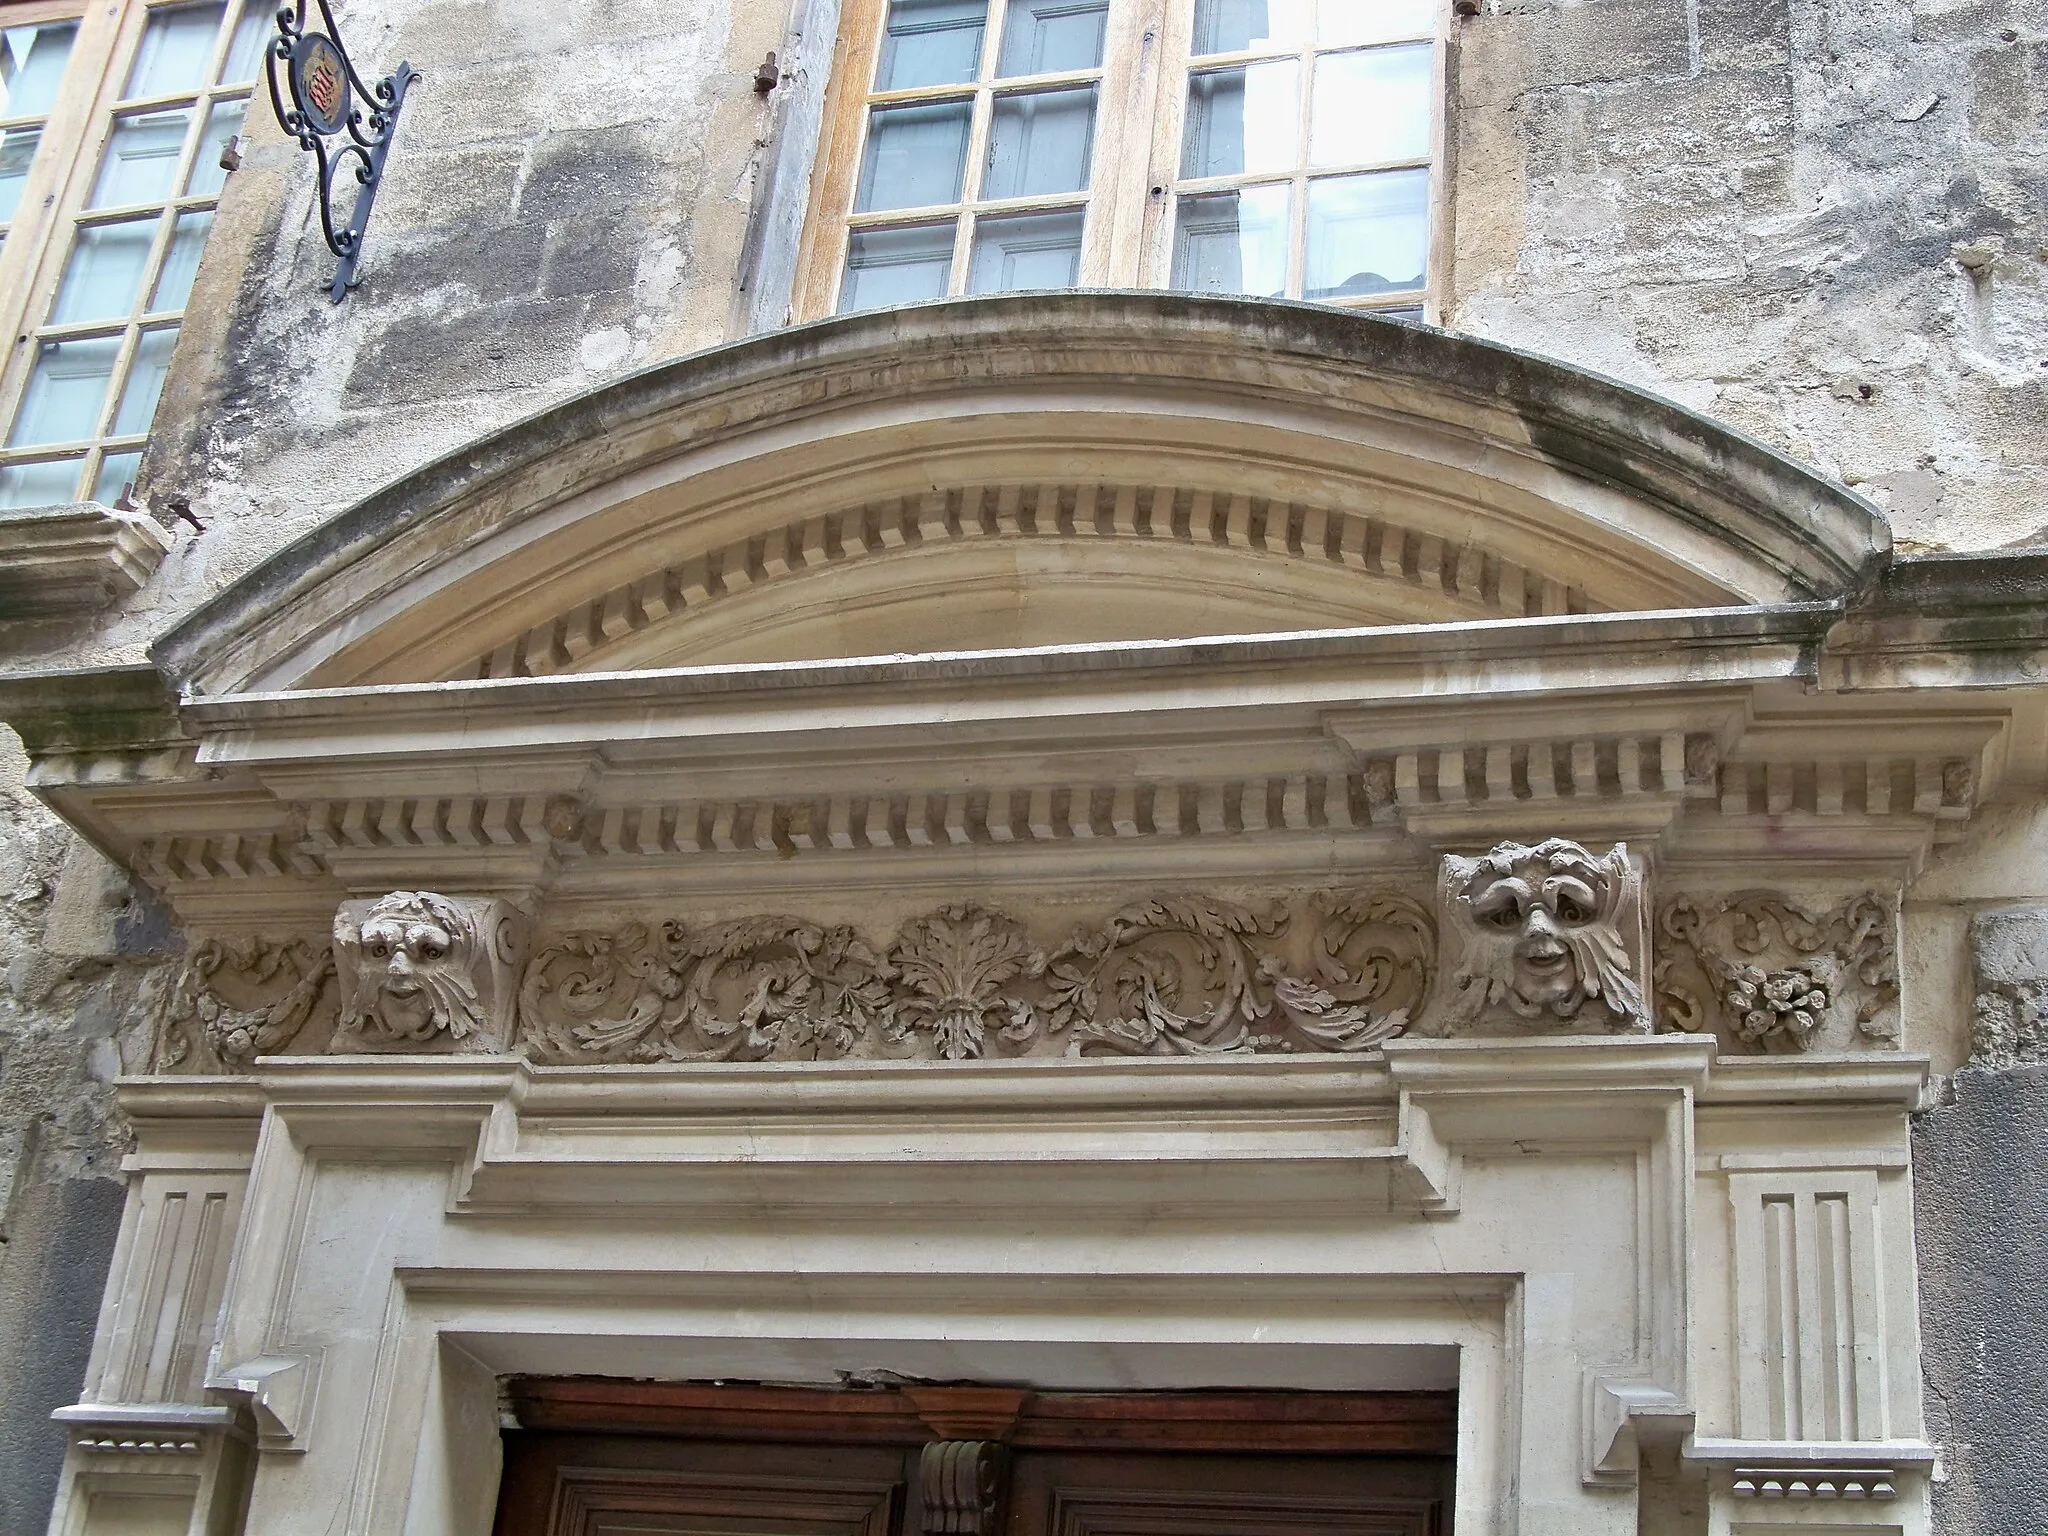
[1172, 975]
[1768, 975]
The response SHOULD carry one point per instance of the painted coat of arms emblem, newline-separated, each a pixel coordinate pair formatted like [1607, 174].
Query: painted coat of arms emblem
[322, 82]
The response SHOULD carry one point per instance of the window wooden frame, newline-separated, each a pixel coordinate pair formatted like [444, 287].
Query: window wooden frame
[1135, 182]
[33, 263]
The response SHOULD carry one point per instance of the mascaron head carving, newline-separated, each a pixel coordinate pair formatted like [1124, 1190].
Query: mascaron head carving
[1545, 936]
[420, 969]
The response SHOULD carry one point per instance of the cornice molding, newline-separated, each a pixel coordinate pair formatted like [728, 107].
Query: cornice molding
[74, 559]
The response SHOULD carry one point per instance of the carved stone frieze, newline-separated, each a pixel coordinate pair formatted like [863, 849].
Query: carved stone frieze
[1174, 975]
[235, 1001]
[421, 971]
[1766, 974]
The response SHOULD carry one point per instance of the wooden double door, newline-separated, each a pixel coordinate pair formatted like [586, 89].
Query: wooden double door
[635, 1459]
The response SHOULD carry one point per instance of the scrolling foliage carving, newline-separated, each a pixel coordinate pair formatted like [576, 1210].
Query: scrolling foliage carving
[1768, 975]
[1174, 975]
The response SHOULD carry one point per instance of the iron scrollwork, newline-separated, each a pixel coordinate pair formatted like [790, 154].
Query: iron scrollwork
[343, 120]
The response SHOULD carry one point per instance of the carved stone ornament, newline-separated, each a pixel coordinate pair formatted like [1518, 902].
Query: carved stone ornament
[1767, 975]
[1175, 975]
[421, 971]
[1546, 938]
[242, 1000]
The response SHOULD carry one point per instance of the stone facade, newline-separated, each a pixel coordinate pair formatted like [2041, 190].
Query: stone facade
[1822, 225]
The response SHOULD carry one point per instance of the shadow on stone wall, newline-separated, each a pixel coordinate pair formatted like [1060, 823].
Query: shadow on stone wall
[1980, 1176]
[53, 1266]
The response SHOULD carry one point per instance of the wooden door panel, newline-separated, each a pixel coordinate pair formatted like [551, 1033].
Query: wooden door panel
[615, 1485]
[1182, 1494]
[616, 1501]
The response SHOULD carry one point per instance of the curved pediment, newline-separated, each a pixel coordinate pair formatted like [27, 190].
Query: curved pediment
[1030, 470]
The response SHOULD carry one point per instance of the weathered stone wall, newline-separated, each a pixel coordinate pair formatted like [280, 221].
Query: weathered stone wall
[1823, 221]
[1981, 1204]
[77, 946]
[568, 199]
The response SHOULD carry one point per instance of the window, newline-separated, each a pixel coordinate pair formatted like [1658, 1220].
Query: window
[1282, 148]
[101, 296]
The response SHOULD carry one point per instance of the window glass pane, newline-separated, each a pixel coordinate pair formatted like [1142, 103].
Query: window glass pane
[253, 32]
[32, 61]
[1039, 144]
[931, 42]
[1233, 242]
[146, 372]
[1371, 106]
[1340, 22]
[1242, 120]
[181, 262]
[16, 151]
[176, 48]
[104, 275]
[1367, 234]
[1041, 36]
[117, 470]
[224, 122]
[39, 485]
[1032, 250]
[66, 393]
[897, 266]
[915, 156]
[141, 159]
[1234, 26]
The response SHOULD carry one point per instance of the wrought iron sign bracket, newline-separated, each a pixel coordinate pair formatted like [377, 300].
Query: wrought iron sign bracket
[322, 102]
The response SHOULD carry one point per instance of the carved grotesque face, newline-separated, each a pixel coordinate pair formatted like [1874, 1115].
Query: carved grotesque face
[408, 950]
[412, 973]
[1538, 913]
[1539, 936]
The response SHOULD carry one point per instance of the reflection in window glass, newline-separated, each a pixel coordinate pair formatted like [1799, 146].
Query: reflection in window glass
[117, 473]
[1039, 144]
[1367, 234]
[254, 29]
[146, 372]
[896, 266]
[104, 274]
[181, 261]
[915, 156]
[39, 485]
[1371, 106]
[1032, 250]
[66, 393]
[1233, 242]
[1342, 22]
[174, 51]
[141, 159]
[1242, 121]
[1237, 26]
[1043, 36]
[931, 42]
[17, 149]
[32, 61]
[224, 122]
